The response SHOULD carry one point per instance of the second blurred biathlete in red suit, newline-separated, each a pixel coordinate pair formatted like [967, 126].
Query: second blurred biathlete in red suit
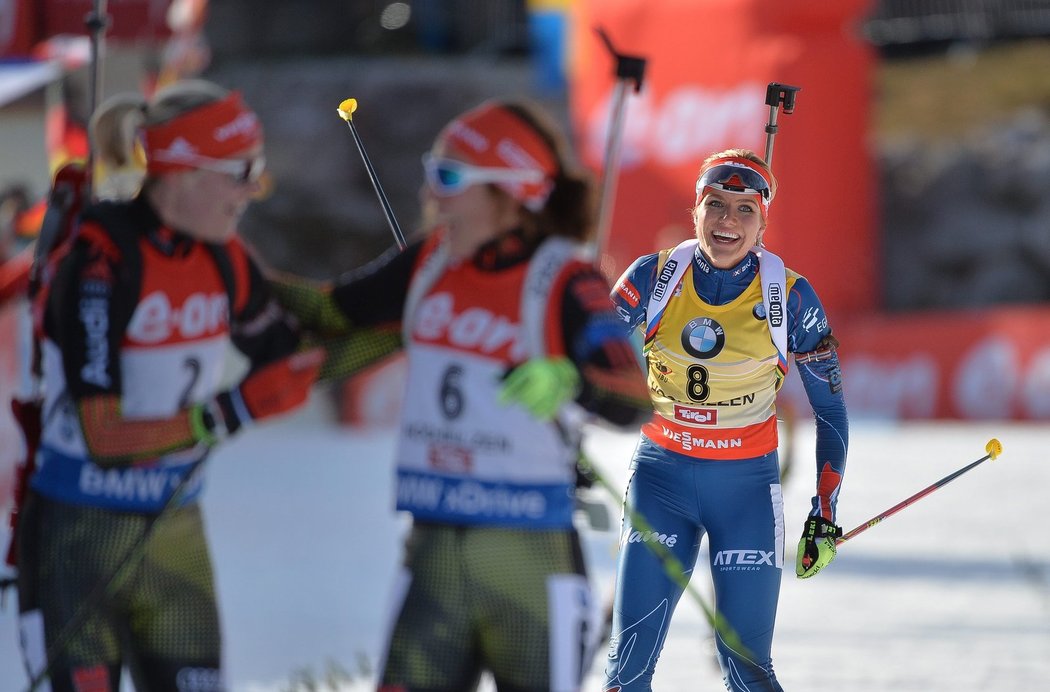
[506, 328]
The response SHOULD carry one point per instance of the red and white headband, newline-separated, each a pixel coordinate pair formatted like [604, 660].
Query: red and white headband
[216, 130]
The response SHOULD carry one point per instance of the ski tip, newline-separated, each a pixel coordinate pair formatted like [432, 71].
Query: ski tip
[347, 108]
[994, 448]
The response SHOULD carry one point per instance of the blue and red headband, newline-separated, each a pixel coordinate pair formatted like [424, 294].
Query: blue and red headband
[736, 175]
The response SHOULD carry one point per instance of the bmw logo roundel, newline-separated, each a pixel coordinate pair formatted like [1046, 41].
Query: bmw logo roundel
[759, 311]
[703, 338]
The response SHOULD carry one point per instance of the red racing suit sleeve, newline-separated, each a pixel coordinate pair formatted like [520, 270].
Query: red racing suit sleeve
[357, 319]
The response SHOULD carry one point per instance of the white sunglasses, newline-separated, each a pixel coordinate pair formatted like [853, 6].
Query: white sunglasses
[448, 177]
[243, 171]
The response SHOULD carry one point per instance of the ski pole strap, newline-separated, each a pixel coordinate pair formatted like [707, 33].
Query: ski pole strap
[774, 294]
[668, 278]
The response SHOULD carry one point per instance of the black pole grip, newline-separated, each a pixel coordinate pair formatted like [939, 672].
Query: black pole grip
[628, 67]
[782, 94]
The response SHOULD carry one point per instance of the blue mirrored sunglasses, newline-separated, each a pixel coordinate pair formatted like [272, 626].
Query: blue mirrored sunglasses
[733, 177]
[447, 177]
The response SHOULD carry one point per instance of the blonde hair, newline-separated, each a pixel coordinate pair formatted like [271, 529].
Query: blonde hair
[120, 167]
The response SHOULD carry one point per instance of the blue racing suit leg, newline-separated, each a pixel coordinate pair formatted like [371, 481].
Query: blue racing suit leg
[666, 523]
[678, 498]
[747, 559]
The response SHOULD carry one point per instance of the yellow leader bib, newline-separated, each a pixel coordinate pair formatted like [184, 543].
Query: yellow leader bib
[713, 374]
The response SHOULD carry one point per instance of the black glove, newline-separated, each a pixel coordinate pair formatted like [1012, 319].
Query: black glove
[276, 388]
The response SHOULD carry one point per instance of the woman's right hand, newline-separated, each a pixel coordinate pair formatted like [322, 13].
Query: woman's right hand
[276, 388]
[541, 385]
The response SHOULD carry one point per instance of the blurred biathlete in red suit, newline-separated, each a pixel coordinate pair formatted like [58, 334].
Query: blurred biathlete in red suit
[507, 328]
[134, 325]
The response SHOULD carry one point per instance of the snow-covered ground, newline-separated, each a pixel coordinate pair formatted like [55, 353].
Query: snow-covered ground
[953, 593]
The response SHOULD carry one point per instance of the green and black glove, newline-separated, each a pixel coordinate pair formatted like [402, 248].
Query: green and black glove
[816, 548]
[541, 385]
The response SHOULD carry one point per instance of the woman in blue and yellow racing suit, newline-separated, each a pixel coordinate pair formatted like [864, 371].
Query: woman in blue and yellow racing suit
[720, 315]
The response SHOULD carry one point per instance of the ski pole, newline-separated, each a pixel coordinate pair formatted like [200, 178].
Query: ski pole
[673, 568]
[346, 112]
[97, 21]
[777, 94]
[629, 69]
[994, 449]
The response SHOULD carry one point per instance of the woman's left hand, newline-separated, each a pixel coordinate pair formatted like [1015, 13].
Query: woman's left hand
[816, 548]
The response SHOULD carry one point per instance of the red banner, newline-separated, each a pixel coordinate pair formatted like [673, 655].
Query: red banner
[973, 365]
[970, 365]
[18, 28]
[708, 64]
[130, 20]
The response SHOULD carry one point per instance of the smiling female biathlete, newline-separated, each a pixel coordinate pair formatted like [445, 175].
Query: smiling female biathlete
[147, 296]
[720, 315]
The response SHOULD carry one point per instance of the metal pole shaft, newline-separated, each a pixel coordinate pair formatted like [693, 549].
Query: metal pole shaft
[771, 132]
[911, 500]
[387, 210]
[607, 195]
[96, 23]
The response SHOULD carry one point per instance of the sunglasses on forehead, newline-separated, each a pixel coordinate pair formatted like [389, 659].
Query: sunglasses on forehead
[447, 177]
[243, 171]
[733, 177]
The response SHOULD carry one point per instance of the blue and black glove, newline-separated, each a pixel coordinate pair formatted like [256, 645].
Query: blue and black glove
[541, 385]
[816, 548]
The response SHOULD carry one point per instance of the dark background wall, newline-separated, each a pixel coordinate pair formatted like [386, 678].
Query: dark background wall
[963, 157]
